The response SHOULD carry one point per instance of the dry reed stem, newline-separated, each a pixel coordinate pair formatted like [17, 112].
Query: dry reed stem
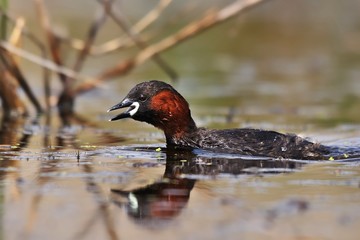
[210, 20]
[53, 41]
[92, 32]
[151, 16]
[15, 35]
[134, 36]
[138, 27]
[37, 43]
[43, 62]
[66, 98]
[11, 103]
[122, 41]
[191, 30]
[10, 63]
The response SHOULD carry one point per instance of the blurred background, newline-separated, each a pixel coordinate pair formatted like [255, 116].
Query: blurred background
[290, 66]
[282, 63]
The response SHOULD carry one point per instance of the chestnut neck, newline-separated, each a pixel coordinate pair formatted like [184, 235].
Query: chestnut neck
[177, 130]
[172, 115]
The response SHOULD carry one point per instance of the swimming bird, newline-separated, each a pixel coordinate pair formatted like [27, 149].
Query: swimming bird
[159, 104]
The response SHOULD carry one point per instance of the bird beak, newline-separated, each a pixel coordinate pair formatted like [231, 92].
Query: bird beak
[124, 103]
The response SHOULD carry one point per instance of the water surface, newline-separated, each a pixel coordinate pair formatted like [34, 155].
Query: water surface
[293, 71]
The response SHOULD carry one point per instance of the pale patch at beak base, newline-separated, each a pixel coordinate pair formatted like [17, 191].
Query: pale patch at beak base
[134, 108]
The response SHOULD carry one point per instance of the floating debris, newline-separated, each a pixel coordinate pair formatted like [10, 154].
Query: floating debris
[88, 146]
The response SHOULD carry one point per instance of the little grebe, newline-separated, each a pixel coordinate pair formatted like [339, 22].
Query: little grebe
[159, 104]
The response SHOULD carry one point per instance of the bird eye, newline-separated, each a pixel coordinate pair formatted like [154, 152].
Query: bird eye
[142, 98]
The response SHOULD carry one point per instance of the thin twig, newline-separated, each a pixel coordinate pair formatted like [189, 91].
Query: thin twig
[123, 41]
[151, 16]
[191, 30]
[52, 39]
[43, 62]
[11, 103]
[16, 33]
[107, 47]
[210, 20]
[66, 99]
[12, 66]
[125, 26]
[37, 43]
[94, 28]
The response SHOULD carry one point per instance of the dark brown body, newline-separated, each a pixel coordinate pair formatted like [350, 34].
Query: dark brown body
[159, 104]
[252, 142]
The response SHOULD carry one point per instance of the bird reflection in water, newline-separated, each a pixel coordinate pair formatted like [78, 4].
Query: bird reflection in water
[163, 200]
